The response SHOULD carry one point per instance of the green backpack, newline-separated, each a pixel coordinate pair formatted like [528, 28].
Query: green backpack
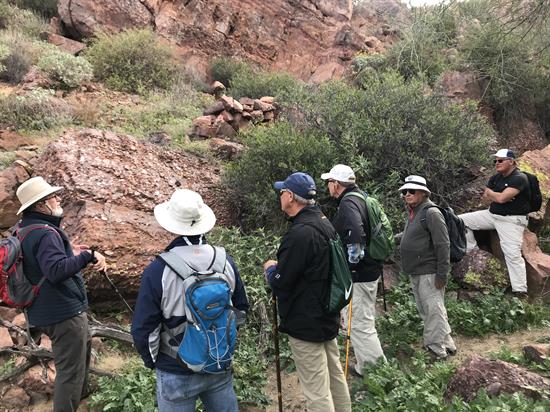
[340, 283]
[381, 244]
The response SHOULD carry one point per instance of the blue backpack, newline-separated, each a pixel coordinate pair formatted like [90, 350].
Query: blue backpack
[211, 332]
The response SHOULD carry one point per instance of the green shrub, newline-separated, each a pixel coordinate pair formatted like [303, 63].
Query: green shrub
[132, 391]
[391, 128]
[273, 153]
[46, 8]
[256, 84]
[132, 61]
[22, 53]
[223, 69]
[38, 110]
[24, 21]
[4, 52]
[70, 70]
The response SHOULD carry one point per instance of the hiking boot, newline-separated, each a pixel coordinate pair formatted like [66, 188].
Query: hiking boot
[523, 296]
[434, 357]
[353, 372]
[451, 352]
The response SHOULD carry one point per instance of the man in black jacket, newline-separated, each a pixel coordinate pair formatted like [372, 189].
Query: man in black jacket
[59, 310]
[299, 280]
[352, 224]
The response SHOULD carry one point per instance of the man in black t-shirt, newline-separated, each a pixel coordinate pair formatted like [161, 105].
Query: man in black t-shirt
[508, 194]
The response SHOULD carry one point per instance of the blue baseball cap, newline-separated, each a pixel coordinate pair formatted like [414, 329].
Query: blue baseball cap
[300, 184]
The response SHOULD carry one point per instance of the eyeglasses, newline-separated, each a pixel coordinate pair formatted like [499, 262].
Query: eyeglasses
[499, 160]
[411, 191]
[52, 196]
[284, 190]
[330, 181]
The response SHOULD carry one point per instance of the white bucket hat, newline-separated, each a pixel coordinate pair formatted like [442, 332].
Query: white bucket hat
[341, 173]
[415, 182]
[185, 214]
[32, 190]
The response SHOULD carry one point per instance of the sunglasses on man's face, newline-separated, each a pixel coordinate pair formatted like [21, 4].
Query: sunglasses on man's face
[52, 196]
[411, 191]
[499, 160]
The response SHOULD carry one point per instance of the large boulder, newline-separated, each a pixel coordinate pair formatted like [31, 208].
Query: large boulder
[112, 183]
[537, 265]
[480, 270]
[10, 179]
[272, 34]
[496, 377]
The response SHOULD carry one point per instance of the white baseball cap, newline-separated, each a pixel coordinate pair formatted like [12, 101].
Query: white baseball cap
[341, 173]
[505, 153]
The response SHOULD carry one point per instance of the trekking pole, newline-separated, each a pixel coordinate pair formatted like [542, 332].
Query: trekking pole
[277, 356]
[348, 339]
[384, 291]
[104, 272]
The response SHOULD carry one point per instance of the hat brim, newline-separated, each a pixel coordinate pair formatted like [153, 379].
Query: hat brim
[326, 176]
[279, 185]
[38, 197]
[204, 225]
[414, 186]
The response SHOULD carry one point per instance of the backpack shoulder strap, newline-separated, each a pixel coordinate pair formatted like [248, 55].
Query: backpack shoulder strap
[177, 264]
[23, 232]
[424, 213]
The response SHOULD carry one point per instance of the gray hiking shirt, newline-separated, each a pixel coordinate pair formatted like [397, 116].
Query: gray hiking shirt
[425, 246]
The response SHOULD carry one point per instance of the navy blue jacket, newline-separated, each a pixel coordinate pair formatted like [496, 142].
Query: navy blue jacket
[148, 316]
[48, 253]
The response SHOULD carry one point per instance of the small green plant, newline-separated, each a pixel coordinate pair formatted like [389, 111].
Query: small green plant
[37, 110]
[256, 84]
[45, 8]
[24, 21]
[131, 61]
[223, 69]
[21, 54]
[7, 366]
[132, 391]
[6, 159]
[70, 70]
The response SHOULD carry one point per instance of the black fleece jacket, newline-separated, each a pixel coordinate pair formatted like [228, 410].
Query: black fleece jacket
[300, 279]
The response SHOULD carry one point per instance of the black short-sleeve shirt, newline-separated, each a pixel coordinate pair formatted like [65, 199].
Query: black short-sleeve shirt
[518, 205]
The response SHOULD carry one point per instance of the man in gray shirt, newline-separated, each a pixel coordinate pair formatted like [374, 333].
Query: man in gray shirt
[425, 257]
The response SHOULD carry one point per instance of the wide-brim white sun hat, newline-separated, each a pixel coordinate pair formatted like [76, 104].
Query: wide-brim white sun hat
[185, 214]
[340, 173]
[415, 182]
[33, 190]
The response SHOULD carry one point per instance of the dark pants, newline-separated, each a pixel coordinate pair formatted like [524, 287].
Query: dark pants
[71, 346]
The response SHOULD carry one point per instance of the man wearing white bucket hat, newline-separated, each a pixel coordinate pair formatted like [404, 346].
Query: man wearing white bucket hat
[160, 318]
[508, 193]
[425, 257]
[59, 310]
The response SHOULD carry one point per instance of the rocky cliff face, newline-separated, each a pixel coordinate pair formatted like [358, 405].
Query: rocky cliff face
[311, 39]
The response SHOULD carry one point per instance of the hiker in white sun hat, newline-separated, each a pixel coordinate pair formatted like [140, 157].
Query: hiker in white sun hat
[425, 258]
[507, 192]
[160, 317]
[185, 214]
[53, 265]
[351, 221]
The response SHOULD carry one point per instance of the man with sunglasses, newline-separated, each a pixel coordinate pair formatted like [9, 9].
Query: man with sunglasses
[59, 310]
[299, 279]
[352, 224]
[425, 257]
[508, 194]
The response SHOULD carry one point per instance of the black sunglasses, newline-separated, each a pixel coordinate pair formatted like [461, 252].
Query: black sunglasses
[499, 160]
[411, 191]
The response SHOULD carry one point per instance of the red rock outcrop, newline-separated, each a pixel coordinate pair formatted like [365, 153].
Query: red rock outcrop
[273, 34]
[495, 377]
[112, 183]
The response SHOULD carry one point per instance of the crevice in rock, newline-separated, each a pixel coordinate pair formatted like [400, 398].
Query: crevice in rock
[151, 11]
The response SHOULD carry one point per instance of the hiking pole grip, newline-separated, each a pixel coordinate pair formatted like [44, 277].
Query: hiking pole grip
[277, 355]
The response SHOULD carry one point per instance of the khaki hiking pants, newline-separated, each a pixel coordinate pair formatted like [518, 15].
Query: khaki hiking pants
[510, 233]
[430, 302]
[321, 376]
[364, 337]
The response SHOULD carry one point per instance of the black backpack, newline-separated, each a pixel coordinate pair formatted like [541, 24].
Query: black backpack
[456, 229]
[535, 195]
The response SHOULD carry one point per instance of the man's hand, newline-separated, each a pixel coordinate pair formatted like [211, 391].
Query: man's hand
[77, 247]
[487, 196]
[440, 283]
[101, 264]
[267, 265]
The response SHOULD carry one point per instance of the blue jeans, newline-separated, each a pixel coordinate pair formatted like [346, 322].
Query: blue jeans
[180, 392]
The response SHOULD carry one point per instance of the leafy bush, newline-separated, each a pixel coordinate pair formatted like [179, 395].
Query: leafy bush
[22, 53]
[391, 128]
[24, 21]
[273, 153]
[70, 70]
[4, 52]
[131, 61]
[223, 69]
[255, 84]
[38, 110]
[46, 8]
[132, 391]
